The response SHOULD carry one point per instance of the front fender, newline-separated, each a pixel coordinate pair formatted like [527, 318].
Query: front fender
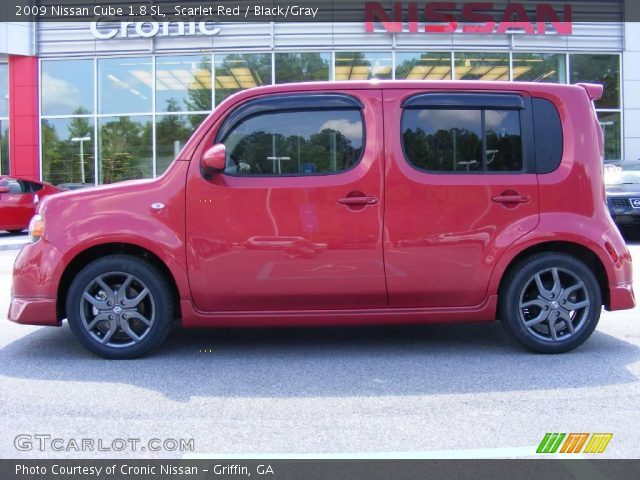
[121, 213]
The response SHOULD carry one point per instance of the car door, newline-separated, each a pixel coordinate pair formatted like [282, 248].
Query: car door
[460, 189]
[295, 220]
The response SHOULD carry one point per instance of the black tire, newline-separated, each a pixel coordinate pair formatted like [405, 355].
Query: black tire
[15, 232]
[157, 307]
[520, 290]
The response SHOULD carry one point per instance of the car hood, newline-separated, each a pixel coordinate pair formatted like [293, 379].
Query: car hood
[91, 193]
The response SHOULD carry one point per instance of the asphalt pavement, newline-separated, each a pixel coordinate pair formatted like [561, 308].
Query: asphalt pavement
[443, 391]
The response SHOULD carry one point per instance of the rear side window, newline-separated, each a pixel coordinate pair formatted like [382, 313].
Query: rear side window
[463, 140]
[548, 134]
[316, 137]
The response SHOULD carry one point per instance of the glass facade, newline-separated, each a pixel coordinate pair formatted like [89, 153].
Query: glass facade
[183, 84]
[4, 119]
[142, 109]
[69, 146]
[363, 66]
[302, 67]
[482, 66]
[235, 72]
[423, 66]
[539, 67]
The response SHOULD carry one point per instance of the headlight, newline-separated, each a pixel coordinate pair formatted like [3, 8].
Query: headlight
[36, 228]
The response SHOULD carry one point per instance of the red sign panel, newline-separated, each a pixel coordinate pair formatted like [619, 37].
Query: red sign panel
[471, 18]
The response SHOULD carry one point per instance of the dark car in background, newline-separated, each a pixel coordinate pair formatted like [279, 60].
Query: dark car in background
[19, 198]
[623, 193]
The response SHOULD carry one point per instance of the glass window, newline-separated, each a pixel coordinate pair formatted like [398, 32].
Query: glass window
[504, 142]
[125, 150]
[67, 87]
[295, 143]
[302, 67]
[15, 186]
[363, 66]
[235, 72]
[441, 140]
[124, 85]
[4, 90]
[603, 69]
[172, 132]
[540, 67]
[482, 66]
[183, 84]
[67, 150]
[610, 124]
[4, 147]
[423, 66]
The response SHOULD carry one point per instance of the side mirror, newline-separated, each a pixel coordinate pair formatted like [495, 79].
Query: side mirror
[214, 159]
[5, 190]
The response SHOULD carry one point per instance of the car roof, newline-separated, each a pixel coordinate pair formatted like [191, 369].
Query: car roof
[448, 85]
[22, 179]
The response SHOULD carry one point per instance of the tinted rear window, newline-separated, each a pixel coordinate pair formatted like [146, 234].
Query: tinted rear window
[463, 140]
[548, 135]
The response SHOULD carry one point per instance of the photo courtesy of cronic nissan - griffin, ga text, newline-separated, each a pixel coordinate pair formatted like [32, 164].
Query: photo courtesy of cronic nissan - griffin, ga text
[345, 203]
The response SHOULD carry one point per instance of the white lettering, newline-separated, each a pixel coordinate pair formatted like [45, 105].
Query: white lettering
[152, 29]
[102, 34]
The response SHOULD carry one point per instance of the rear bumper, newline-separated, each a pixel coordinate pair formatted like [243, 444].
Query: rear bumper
[33, 311]
[621, 297]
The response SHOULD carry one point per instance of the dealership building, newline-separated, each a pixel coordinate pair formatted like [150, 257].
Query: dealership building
[83, 102]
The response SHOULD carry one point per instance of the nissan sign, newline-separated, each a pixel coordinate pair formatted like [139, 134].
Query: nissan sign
[481, 17]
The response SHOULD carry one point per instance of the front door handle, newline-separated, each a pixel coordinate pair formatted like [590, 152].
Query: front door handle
[511, 199]
[364, 200]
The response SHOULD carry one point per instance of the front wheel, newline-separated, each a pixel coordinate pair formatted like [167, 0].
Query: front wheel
[550, 302]
[120, 307]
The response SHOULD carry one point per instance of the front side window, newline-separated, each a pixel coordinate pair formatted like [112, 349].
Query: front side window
[297, 142]
[458, 140]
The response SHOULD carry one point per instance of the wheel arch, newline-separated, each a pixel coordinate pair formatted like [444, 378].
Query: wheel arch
[85, 257]
[573, 249]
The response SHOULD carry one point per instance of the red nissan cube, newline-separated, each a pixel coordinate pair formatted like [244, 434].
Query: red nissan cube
[342, 204]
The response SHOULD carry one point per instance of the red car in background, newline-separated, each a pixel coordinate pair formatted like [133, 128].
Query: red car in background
[18, 201]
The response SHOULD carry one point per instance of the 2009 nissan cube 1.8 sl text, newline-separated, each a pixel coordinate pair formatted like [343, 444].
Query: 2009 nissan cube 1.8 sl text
[345, 203]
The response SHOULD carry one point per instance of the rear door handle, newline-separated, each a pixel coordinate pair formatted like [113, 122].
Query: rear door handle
[511, 199]
[358, 200]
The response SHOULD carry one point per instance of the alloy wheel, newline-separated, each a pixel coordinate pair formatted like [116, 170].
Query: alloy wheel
[554, 304]
[117, 309]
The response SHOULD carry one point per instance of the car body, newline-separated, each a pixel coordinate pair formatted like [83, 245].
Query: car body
[414, 202]
[623, 193]
[19, 198]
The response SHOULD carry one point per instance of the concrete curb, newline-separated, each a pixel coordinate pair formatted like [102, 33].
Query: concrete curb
[17, 246]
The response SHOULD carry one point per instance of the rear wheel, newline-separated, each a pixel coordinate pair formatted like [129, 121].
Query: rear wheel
[120, 307]
[551, 302]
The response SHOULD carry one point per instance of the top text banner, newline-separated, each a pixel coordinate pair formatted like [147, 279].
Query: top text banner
[383, 12]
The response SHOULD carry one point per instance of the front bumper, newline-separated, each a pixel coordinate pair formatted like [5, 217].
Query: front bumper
[36, 276]
[622, 210]
[33, 311]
